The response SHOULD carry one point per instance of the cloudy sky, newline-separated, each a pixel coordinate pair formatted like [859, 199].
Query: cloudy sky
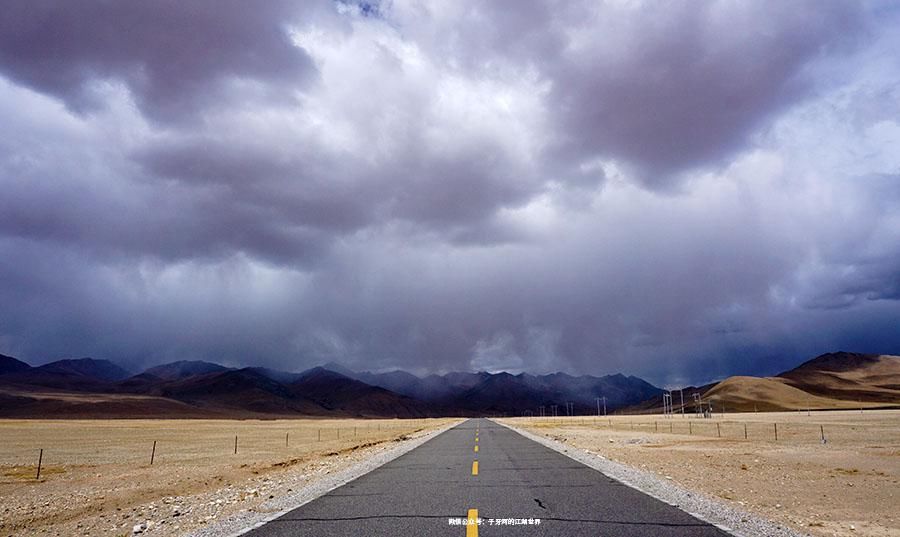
[677, 190]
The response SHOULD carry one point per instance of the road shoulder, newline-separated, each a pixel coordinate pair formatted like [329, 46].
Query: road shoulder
[727, 518]
[245, 521]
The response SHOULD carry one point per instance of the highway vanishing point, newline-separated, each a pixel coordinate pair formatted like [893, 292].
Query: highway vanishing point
[482, 471]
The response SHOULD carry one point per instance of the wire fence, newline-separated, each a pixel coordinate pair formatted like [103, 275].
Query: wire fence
[789, 429]
[37, 447]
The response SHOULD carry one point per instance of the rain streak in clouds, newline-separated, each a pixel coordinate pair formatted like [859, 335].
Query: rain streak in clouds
[676, 190]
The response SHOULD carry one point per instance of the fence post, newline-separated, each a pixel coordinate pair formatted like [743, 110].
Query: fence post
[40, 460]
[776, 431]
[656, 426]
[745, 431]
[822, 430]
[718, 430]
[235, 444]
[153, 453]
[320, 436]
[690, 428]
[286, 436]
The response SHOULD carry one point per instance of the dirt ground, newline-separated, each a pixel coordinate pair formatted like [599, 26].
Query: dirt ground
[96, 477]
[849, 485]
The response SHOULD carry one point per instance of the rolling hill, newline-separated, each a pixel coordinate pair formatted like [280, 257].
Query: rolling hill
[338, 393]
[87, 367]
[839, 380]
[8, 364]
[238, 390]
[183, 369]
[747, 394]
[849, 376]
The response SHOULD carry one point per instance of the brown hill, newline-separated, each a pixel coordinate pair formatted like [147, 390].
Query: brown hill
[746, 394]
[86, 367]
[240, 390]
[849, 376]
[46, 402]
[338, 393]
[838, 380]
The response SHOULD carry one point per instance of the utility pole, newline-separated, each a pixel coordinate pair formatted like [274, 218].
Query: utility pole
[604, 405]
[681, 392]
[598, 407]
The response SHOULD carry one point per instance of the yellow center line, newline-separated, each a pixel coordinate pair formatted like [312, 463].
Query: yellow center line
[474, 467]
[472, 523]
[476, 449]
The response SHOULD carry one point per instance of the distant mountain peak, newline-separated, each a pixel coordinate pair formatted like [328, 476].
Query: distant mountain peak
[8, 364]
[88, 367]
[833, 361]
[183, 369]
[338, 368]
[323, 373]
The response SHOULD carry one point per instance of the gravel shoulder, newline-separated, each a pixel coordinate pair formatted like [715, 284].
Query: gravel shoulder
[97, 479]
[300, 489]
[735, 521]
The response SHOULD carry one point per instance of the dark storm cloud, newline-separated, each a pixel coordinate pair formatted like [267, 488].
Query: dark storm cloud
[347, 193]
[285, 188]
[679, 190]
[63, 199]
[695, 80]
[174, 56]
[662, 87]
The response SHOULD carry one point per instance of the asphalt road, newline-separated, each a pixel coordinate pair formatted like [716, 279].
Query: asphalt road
[420, 492]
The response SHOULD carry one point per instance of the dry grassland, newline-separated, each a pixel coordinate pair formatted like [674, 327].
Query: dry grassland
[849, 485]
[96, 477]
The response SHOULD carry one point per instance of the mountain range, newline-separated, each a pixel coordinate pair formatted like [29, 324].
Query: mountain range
[89, 387]
[92, 388]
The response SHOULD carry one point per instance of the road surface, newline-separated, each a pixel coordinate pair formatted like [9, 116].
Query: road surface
[515, 486]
